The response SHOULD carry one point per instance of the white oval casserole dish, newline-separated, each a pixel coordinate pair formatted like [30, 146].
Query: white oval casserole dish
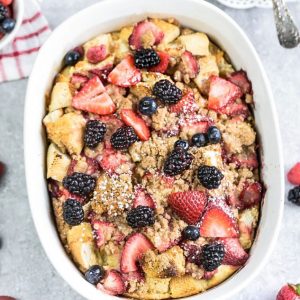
[111, 15]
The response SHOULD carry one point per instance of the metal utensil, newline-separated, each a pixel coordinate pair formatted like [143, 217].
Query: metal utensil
[287, 31]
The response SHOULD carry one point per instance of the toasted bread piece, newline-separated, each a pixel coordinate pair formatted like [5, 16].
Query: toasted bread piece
[81, 245]
[153, 288]
[61, 96]
[208, 66]
[168, 264]
[102, 39]
[171, 31]
[196, 43]
[84, 66]
[57, 163]
[68, 131]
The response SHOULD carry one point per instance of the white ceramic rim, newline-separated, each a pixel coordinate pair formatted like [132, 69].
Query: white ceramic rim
[18, 7]
[35, 162]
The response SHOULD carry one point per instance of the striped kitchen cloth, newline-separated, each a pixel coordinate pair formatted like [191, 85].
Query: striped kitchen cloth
[17, 58]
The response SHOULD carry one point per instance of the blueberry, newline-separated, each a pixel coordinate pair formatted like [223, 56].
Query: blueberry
[71, 58]
[199, 140]
[147, 106]
[191, 233]
[8, 25]
[182, 144]
[94, 274]
[214, 135]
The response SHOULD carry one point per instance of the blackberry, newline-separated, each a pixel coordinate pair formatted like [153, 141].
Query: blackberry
[214, 135]
[167, 92]
[182, 144]
[79, 183]
[146, 58]
[72, 212]
[140, 216]
[212, 256]
[94, 133]
[178, 161]
[4, 13]
[191, 233]
[210, 177]
[72, 57]
[123, 137]
[294, 195]
[94, 274]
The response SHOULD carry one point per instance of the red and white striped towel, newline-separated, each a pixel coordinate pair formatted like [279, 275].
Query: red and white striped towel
[17, 58]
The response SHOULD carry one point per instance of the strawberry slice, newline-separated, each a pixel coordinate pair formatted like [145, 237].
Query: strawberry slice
[235, 109]
[251, 195]
[103, 232]
[142, 198]
[240, 79]
[136, 246]
[96, 54]
[218, 222]
[222, 93]
[78, 80]
[195, 124]
[113, 283]
[235, 255]
[91, 89]
[125, 74]
[245, 160]
[6, 2]
[111, 160]
[188, 205]
[101, 104]
[186, 104]
[293, 175]
[189, 64]
[164, 63]
[130, 118]
[145, 29]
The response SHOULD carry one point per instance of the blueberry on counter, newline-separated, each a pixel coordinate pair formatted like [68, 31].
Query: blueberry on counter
[7, 25]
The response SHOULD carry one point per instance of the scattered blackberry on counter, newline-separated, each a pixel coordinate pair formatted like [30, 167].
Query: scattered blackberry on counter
[4, 13]
[178, 161]
[214, 135]
[191, 233]
[140, 216]
[147, 106]
[146, 58]
[182, 144]
[210, 177]
[7, 25]
[72, 212]
[167, 92]
[94, 133]
[79, 183]
[72, 57]
[2, 169]
[212, 256]
[199, 140]
[294, 195]
[94, 274]
[123, 138]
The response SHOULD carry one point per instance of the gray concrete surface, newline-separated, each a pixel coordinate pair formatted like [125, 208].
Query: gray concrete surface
[25, 271]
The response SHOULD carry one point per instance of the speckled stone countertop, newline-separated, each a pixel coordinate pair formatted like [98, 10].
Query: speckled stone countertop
[25, 271]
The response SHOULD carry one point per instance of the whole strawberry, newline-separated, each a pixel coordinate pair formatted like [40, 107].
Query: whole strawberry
[188, 205]
[289, 292]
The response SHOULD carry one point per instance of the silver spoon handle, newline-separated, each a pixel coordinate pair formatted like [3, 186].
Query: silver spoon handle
[287, 31]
